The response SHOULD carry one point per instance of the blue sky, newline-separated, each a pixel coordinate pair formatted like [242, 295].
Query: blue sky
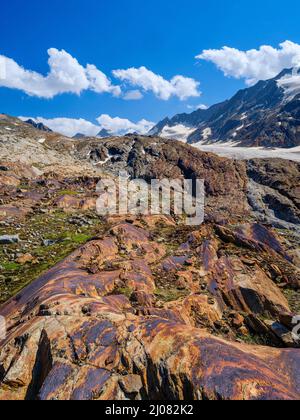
[164, 36]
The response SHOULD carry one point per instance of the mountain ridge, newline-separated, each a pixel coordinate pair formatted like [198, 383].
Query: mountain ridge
[262, 115]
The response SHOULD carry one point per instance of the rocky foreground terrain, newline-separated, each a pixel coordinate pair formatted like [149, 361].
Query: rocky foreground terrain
[145, 307]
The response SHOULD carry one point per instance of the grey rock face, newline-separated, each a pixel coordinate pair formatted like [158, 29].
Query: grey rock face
[39, 126]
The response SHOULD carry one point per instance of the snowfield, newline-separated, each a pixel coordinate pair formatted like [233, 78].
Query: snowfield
[242, 153]
[178, 132]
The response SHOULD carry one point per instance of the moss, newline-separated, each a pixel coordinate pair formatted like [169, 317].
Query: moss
[125, 291]
[293, 298]
[170, 295]
[80, 238]
[10, 266]
[67, 192]
[24, 186]
[256, 340]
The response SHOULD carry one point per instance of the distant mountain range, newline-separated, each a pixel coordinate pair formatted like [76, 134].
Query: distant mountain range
[267, 114]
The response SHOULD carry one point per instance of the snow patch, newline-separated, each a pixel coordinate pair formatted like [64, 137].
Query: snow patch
[178, 132]
[290, 83]
[235, 133]
[206, 133]
[103, 162]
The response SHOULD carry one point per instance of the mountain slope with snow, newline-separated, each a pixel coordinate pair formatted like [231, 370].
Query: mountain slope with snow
[264, 115]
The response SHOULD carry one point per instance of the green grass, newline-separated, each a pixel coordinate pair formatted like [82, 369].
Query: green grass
[80, 238]
[10, 266]
[53, 226]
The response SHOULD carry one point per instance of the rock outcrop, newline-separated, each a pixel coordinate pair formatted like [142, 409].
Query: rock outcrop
[121, 318]
[146, 307]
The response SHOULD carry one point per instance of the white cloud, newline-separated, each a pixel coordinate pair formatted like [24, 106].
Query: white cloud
[121, 126]
[196, 107]
[180, 86]
[254, 65]
[133, 95]
[202, 106]
[99, 81]
[66, 75]
[70, 126]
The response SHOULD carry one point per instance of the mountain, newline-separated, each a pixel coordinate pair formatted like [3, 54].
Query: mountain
[103, 134]
[267, 114]
[144, 306]
[39, 126]
[79, 136]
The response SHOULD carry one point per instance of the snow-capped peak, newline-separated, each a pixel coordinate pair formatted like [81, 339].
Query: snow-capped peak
[290, 83]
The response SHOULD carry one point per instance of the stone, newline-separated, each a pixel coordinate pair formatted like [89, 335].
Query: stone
[283, 334]
[9, 239]
[25, 259]
[49, 242]
[243, 331]
[237, 320]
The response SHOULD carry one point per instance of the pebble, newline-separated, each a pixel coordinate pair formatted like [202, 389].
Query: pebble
[48, 242]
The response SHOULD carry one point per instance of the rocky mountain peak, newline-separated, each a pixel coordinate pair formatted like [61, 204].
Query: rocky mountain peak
[39, 126]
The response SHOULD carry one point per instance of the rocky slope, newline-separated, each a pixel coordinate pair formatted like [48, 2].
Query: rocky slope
[43, 150]
[145, 307]
[267, 114]
[269, 187]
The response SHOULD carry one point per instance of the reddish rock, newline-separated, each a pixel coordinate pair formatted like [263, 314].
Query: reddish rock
[73, 336]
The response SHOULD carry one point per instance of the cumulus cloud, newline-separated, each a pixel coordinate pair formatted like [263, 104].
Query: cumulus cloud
[133, 95]
[66, 75]
[254, 65]
[180, 86]
[70, 126]
[121, 126]
[99, 82]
